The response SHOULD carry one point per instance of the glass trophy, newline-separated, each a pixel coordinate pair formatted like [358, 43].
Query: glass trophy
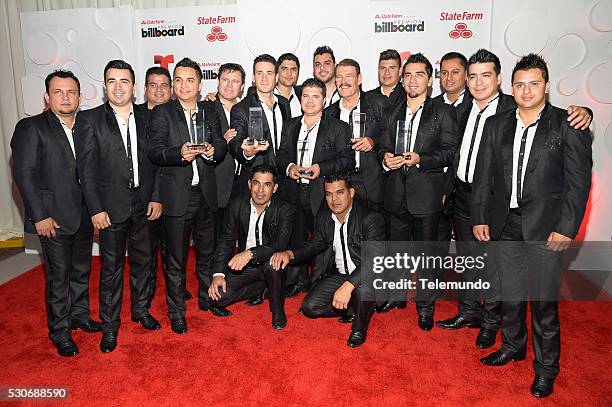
[256, 126]
[196, 132]
[303, 146]
[359, 123]
[402, 138]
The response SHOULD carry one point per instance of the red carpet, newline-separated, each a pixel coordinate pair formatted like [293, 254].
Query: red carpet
[241, 361]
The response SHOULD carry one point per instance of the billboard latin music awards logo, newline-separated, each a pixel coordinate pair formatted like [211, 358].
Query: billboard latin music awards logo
[460, 31]
[161, 28]
[216, 34]
[397, 23]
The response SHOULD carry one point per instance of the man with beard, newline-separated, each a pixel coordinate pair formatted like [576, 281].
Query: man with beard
[288, 75]
[323, 69]
[389, 75]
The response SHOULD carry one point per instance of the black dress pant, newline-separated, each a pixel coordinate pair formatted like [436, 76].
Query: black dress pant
[197, 222]
[304, 224]
[423, 231]
[158, 241]
[318, 302]
[529, 270]
[67, 267]
[469, 300]
[250, 282]
[134, 235]
[361, 193]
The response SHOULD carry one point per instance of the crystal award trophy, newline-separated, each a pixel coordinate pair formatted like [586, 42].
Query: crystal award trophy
[256, 126]
[402, 138]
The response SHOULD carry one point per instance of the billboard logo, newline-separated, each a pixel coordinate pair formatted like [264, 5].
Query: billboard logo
[392, 27]
[216, 34]
[460, 31]
[154, 32]
[163, 61]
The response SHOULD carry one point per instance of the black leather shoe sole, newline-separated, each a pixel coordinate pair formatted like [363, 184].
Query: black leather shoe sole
[456, 323]
[426, 323]
[254, 302]
[542, 387]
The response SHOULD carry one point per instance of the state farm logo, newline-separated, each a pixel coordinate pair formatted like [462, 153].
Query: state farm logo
[216, 34]
[460, 31]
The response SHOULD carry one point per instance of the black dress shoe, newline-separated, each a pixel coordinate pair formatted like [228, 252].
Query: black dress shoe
[457, 322]
[179, 326]
[542, 386]
[187, 295]
[148, 322]
[356, 339]
[388, 306]
[108, 342]
[257, 300]
[295, 290]
[426, 322]
[499, 358]
[90, 326]
[346, 318]
[220, 311]
[279, 320]
[66, 347]
[486, 338]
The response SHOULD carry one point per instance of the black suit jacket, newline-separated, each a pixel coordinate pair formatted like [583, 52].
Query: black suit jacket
[557, 177]
[45, 172]
[373, 106]
[103, 165]
[436, 142]
[224, 172]
[167, 133]
[363, 225]
[239, 120]
[331, 151]
[398, 95]
[276, 231]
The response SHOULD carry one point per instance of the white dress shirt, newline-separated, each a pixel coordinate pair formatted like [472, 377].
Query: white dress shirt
[123, 128]
[294, 102]
[338, 253]
[331, 99]
[345, 115]
[456, 102]
[279, 122]
[518, 134]
[304, 156]
[69, 135]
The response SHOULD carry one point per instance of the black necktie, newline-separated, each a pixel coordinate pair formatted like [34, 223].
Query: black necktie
[275, 146]
[521, 162]
[344, 258]
[129, 153]
[409, 136]
[473, 140]
[257, 238]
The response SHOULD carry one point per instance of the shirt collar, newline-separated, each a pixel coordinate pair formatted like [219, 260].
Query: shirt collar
[358, 105]
[346, 218]
[518, 117]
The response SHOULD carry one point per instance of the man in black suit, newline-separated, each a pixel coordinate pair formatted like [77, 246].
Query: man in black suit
[415, 167]
[263, 225]
[531, 187]
[337, 280]
[484, 80]
[288, 74]
[324, 69]
[119, 185]
[367, 177]
[276, 113]
[158, 91]
[44, 168]
[185, 140]
[389, 75]
[313, 147]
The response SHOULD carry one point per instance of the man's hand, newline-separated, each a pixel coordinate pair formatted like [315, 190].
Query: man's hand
[154, 210]
[294, 171]
[393, 162]
[314, 171]
[251, 149]
[46, 227]
[229, 135]
[363, 144]
[213, 290]
[211, 96]
[342, 296]
[280, 260]
[412, 159]
[209, 150]
[481, 233]
[578, 117]
[239, 261]
[558, 242]
[101, 220]
[187, 154]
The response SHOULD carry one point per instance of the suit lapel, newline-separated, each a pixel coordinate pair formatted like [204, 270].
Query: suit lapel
[245, 215]
[113, 126]
[58, 132]
[182, 122]
[540, 137]
[321, 134]
[141, 136]
[424, 123]
[507, 147]
[221, 114]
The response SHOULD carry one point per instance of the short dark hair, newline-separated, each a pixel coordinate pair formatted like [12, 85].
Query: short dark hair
[350, 62]
[390, 54]
[119, 64]
[189, 63]
[264, 58]
[61, 73]
[419, 58]
[287, 57]
[265, 169]
[157, 70]
[324, 49]
[531, 61]
[339, 177]
[455, 55]
[315, 83]
[482, 56]
[232, 67]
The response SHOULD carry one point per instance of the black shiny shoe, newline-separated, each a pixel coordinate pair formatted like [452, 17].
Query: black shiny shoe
[220, 311]
[187, 295]
[66, 347]
[542, 386]
[257, 300]
[486, 338]
[296, 289]
[109, 341]
[499, 358]
[179, 326]
[148, 322]
[457, 322]
[89, 326]
[388, 306]
[356, 339]
[279, 320]
[346, 318]
[426, 322]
